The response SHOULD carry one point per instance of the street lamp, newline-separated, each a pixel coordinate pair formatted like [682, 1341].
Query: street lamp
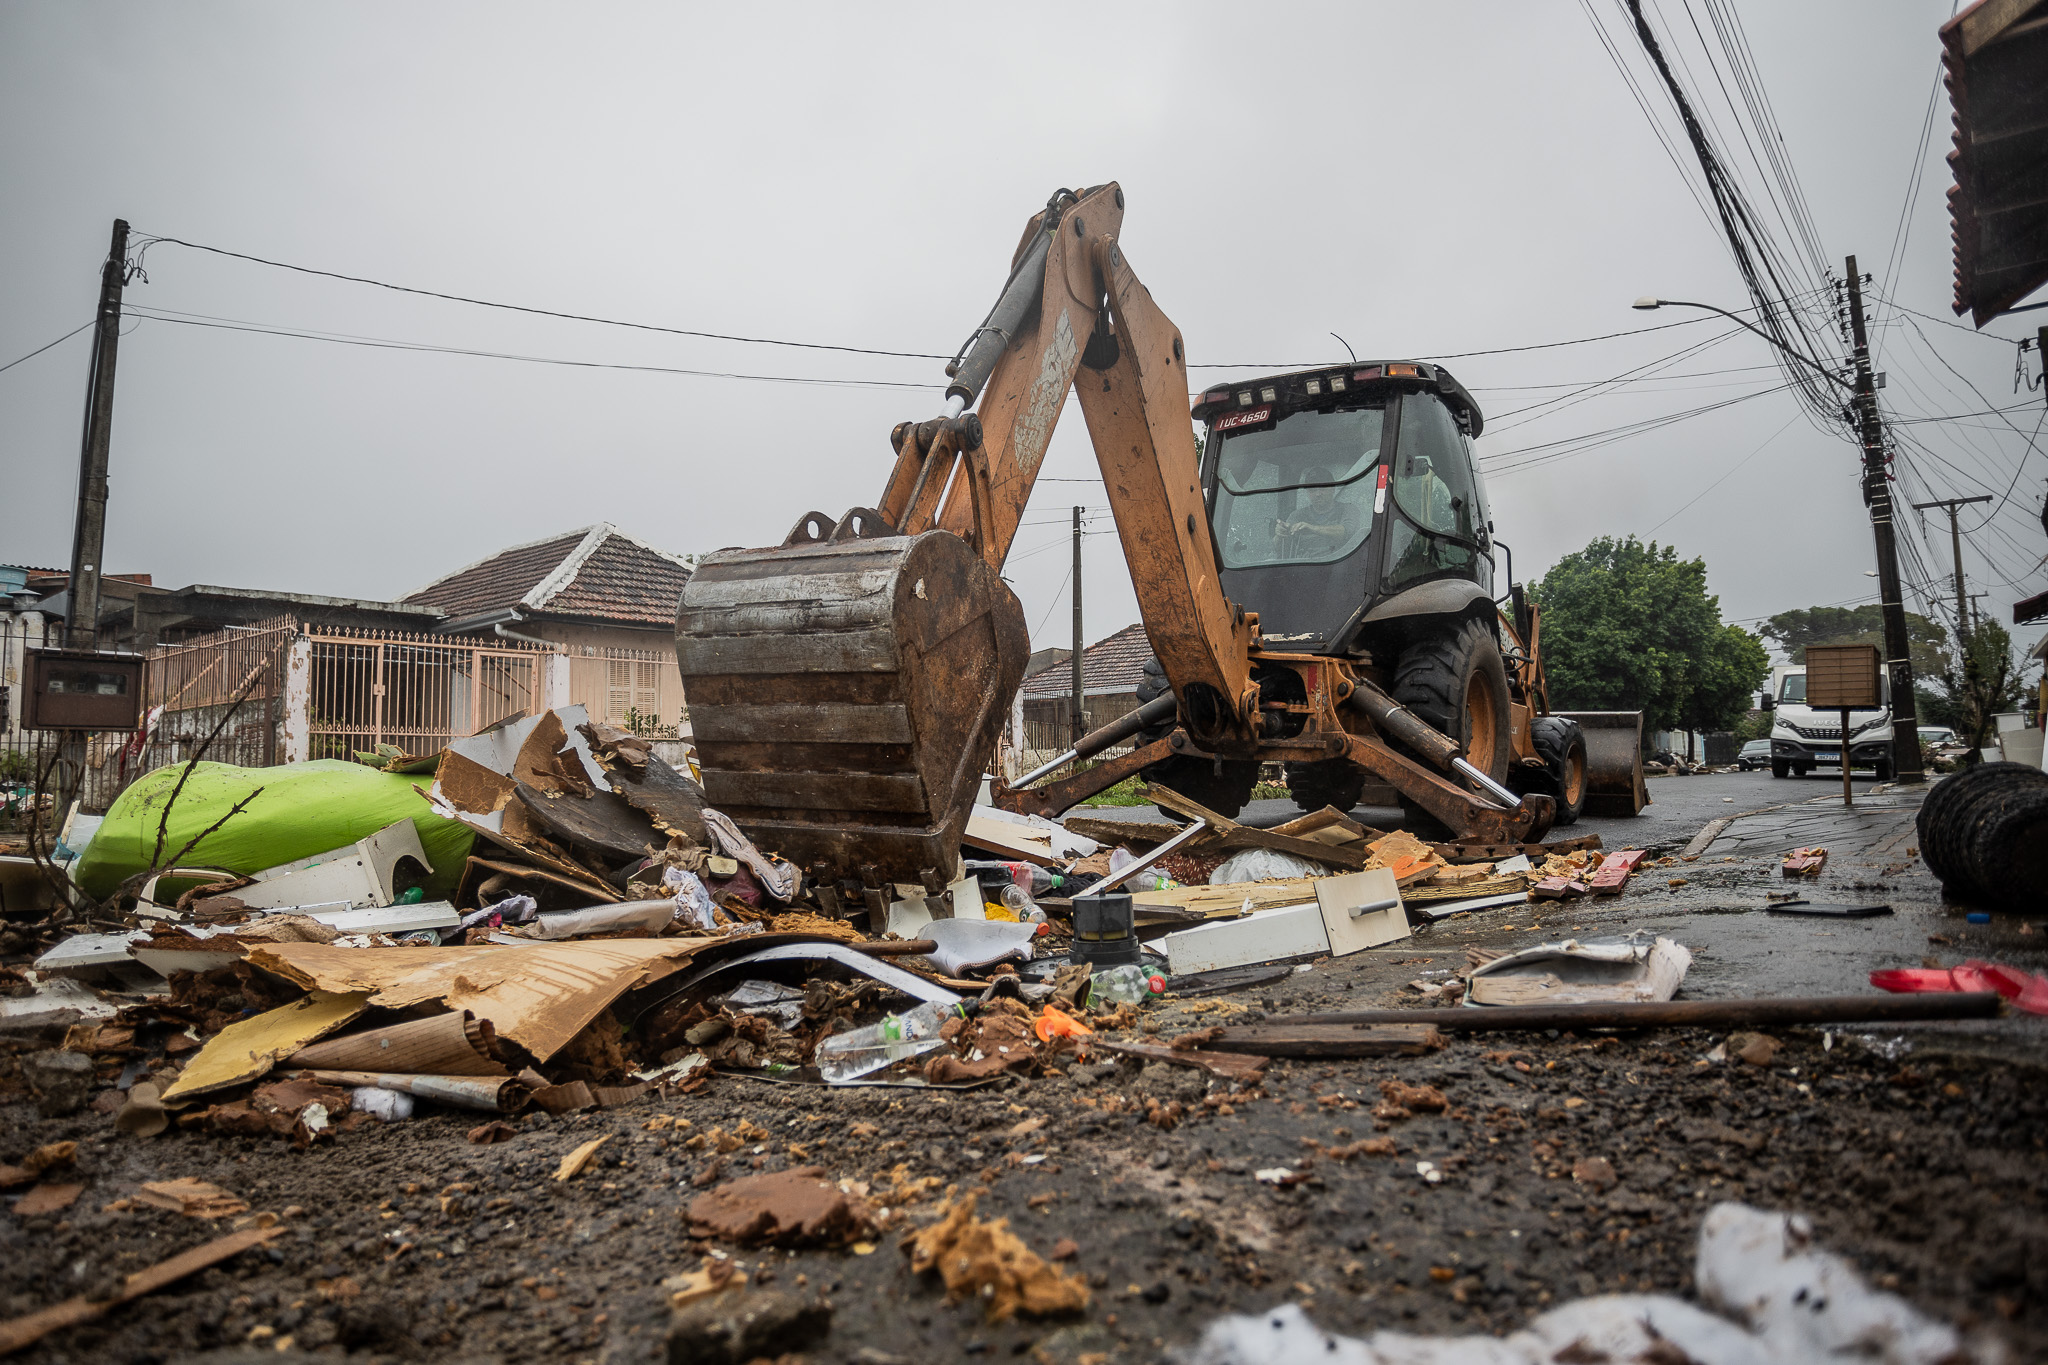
[1649, 301]
[1877, 496]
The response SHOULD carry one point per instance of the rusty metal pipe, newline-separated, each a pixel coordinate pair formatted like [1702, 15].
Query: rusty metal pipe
[1420, 737]
[1824, 1009]
[1123, 727]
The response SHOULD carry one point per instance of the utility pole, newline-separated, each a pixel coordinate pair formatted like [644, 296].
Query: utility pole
[1077, 724]
[89, 532]
[1877, 495]
[1955, 536]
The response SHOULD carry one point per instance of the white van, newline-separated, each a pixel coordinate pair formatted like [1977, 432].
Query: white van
[1803, 739]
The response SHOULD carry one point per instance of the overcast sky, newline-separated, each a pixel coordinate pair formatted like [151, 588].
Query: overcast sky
[1425, 180]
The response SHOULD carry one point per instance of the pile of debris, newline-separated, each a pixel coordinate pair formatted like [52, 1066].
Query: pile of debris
[556, 920]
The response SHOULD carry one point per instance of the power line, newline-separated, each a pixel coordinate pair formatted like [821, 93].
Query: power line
[40, 349]
[1725, 477]
[536, 312]
[338, 339]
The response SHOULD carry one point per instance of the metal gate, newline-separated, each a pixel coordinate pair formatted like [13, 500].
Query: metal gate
[415, 692]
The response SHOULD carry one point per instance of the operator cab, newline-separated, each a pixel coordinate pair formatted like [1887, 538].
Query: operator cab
[1333, 492]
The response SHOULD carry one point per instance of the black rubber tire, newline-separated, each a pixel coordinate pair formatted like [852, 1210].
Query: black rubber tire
[1984, 833]
[1432, 679]
[1226, 793]
[1881, 771]
[1801, 769]
[1562, 746]
[1333, 782]
[1781, 767]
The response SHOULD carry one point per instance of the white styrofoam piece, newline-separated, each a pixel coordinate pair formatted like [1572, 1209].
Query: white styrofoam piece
[1341, 900]
[359, 874]
[1519, 863]
[1291, 931]
[1065, 843]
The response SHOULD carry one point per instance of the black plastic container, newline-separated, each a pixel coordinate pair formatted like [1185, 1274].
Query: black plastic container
[1105, 930]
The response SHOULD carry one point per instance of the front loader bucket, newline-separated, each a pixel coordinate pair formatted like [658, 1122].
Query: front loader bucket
[846, 695]
[1614, 761]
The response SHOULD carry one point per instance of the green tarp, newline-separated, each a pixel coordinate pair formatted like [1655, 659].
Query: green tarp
[304, 809]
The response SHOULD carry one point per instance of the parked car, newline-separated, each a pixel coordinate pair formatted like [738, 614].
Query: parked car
[1755, 754]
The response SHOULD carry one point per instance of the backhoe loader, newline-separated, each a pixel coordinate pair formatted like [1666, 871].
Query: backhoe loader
[1315, 575]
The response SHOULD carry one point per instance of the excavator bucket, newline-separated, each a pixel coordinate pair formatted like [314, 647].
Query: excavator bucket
[846, 693]
[1614, 761]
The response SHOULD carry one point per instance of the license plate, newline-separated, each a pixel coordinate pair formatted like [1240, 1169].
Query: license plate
[1827, 756]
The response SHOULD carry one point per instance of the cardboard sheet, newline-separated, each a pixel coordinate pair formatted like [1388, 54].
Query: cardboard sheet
[245, 1050]
[537, 996]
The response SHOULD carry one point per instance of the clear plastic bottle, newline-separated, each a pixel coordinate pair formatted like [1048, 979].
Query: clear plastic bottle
[848, 1056]
[1021, 905]
[1126, 985]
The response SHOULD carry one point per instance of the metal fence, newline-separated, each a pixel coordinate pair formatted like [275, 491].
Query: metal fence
[416, 692]
[275, 691]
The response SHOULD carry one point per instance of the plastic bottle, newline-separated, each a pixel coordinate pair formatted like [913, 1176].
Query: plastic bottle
[848, 1056]
[1126, 985]
[1021, 905]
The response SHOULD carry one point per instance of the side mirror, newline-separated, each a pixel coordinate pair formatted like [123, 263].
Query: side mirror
[1766, 702]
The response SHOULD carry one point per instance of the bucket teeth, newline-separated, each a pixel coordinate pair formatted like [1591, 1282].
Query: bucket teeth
[845, 696]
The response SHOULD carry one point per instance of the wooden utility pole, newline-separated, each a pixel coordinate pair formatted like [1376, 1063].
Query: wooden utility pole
[1955, 536]
[89, 534]
[1877, 495]
[1078, 724]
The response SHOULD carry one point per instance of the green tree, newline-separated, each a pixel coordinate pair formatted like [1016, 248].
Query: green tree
[1631, 627]
[1985, 683]
[1793, 631]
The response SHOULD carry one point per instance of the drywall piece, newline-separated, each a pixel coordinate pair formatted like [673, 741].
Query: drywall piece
[57, 1001]
[1293, 931]
[1361, 910]
[359, 874]
[913, 910]
[86, 954]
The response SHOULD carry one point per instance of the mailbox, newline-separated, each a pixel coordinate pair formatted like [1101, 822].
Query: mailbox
[81, 689]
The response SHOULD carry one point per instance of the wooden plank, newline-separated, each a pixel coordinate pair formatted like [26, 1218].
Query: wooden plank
[1217, 901]
[1232, 835]
[1007, 840]
[826, 723]
[1329, 1040]
[1138, 834]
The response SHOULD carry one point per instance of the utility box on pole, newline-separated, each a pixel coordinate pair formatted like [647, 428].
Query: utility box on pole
[82, 689]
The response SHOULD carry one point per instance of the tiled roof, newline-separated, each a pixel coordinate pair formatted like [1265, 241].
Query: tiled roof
[1108, 667]
[598, 573]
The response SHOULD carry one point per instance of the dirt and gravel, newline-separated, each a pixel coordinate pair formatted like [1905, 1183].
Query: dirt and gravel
[1565, 1166]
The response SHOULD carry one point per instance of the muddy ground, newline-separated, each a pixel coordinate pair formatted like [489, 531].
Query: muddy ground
[1917, 1153]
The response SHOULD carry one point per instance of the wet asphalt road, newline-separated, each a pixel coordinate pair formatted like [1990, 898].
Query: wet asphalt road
[1716, 904]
